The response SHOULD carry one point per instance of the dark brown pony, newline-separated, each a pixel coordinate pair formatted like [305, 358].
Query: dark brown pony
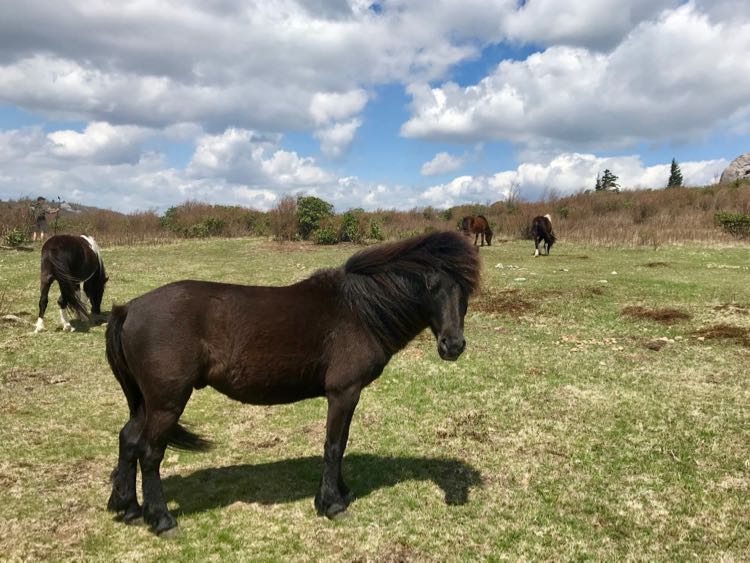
[71, 261]
[332, 334]
[479, 226]
[541, 230]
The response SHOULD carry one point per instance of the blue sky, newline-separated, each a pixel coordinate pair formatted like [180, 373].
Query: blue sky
[136, 105]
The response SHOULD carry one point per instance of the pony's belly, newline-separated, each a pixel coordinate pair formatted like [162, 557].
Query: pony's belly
[269, 389]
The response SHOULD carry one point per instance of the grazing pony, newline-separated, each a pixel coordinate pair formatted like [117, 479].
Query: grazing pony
[329, 335]
[479, 226]
[71, 260]
[541, 230]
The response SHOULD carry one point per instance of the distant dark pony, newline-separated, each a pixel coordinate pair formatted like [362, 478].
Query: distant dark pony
[71, 261]
[541, 230]
[331, 335]
[479, 226]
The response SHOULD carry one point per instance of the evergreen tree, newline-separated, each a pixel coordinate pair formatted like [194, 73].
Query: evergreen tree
[609, 181]
[598, 186]
[675, 176]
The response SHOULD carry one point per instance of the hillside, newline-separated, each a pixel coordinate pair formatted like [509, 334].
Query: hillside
[638, 217]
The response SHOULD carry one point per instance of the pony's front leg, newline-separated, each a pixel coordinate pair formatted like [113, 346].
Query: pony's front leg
[331, 498]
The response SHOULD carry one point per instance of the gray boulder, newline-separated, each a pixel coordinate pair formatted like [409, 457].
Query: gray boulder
[738, 169]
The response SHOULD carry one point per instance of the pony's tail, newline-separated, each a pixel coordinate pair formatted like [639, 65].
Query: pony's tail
[67, 283]
[178, 436]
[117, 361]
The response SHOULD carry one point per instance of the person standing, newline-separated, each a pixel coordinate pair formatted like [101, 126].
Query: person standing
[41, 210]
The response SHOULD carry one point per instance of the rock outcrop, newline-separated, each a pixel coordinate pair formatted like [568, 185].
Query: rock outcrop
[738, 169]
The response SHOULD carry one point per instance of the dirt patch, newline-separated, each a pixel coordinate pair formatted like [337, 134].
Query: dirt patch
[472, 425]
[665, 315]
[733, 308]
[655, 345]
[656, 264]
[508, 302]
[30, 378]
[738, 334]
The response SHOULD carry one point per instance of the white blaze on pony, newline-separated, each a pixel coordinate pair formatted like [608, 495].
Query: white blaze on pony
[71, 261]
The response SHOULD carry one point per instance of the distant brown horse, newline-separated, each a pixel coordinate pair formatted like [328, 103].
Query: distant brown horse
[329, 335]
[71, 261]
[541, 230]
[479, 226]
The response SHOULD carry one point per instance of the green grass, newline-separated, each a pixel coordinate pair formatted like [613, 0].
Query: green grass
[559, 434]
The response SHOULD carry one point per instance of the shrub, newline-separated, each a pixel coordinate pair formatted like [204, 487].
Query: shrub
[15, 237]
[311, 211]
[284, 219]
[209, 227]
[736, 224]
[350, 226]
[376, 232]
[326, 235]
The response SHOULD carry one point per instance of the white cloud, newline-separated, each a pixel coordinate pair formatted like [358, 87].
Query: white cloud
[663, 81]
[100, 142]
[598, 24]
[442, 163]
[566, 174]
[334, 106]
[335, 140]
[222, 64]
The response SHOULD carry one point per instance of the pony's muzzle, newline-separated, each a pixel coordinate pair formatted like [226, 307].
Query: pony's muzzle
[450, 348]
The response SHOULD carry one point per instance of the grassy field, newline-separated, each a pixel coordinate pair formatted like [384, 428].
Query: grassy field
[600, 411]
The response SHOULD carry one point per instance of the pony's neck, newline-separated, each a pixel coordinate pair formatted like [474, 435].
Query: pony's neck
[389, 305]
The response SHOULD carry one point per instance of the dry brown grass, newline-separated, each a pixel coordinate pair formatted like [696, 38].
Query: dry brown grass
[638, 218]
[664, 315]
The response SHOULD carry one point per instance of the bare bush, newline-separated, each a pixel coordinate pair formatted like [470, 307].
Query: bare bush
[284, 219]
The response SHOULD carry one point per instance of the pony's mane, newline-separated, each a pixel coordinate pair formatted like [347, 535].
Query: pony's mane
[383, 284]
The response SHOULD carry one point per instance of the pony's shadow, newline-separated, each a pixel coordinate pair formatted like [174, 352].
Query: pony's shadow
[294, 479]
[85, 326]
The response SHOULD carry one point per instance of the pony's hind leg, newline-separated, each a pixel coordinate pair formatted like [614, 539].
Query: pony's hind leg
[67, 327]
[536, 247]
[150, 455]
[43, 300]
[123, 497]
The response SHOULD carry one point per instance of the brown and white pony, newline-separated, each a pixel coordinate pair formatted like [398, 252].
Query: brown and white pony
[541, 230]
[71, 261]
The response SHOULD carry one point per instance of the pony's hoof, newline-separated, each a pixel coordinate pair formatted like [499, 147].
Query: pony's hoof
[68, 328]
[164, 525]
[133, 515]
[337, 512]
